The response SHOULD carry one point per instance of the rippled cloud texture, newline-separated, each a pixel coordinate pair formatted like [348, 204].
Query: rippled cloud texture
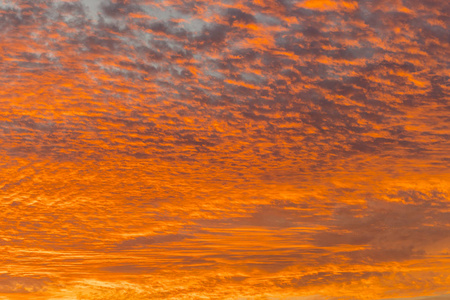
[234, 149]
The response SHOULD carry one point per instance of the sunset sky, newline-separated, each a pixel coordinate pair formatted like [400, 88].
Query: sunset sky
[230, 149]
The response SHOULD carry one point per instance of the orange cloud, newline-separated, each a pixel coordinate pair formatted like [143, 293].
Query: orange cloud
[239, 150]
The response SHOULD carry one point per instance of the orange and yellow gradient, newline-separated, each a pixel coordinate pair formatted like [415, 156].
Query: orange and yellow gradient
[236, 149]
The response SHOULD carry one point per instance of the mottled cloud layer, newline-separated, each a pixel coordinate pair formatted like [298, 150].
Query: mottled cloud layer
[224, 150]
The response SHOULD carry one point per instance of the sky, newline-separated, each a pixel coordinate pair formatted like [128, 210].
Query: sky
[231, 149]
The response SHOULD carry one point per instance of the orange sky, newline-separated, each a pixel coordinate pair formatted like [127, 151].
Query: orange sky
[236, 149]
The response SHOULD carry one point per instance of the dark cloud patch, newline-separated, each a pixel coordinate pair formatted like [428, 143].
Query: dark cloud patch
[129, 269]
[277, 215]
[71, 9]
[391, 230]
[212, 35]
[146, 241]
[119, 9]
[19, 284]
[236, 15]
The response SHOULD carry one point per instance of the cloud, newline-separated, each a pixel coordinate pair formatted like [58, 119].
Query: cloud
[393, 230]
[22, 284]
[143, 241]
[225, 149]
[236, 15]
[439, 297]
[128, 269]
